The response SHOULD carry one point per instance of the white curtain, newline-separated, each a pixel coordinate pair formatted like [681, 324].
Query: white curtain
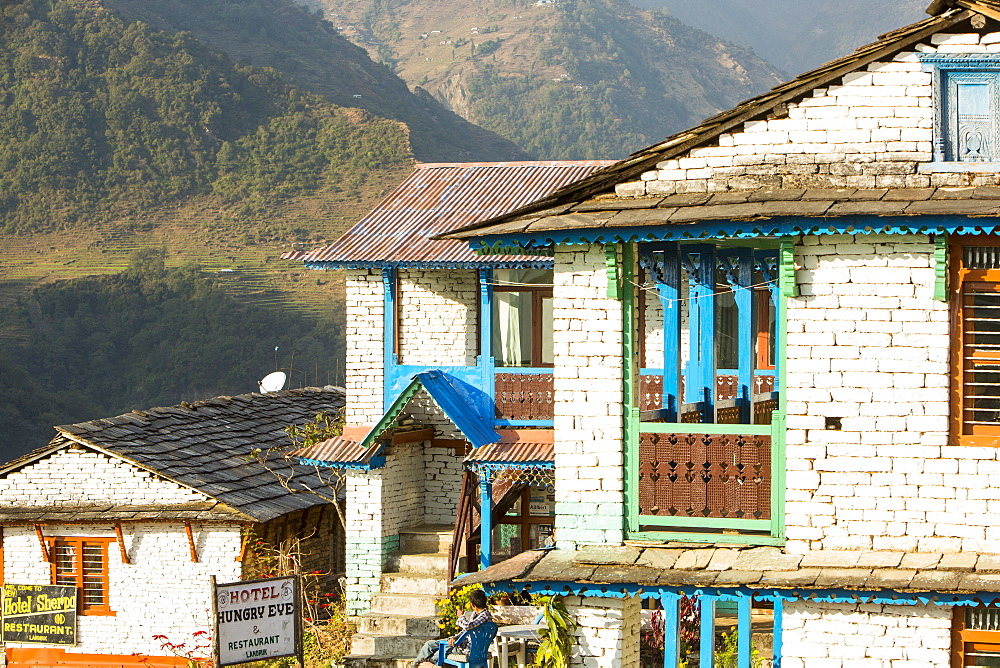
[507, 324]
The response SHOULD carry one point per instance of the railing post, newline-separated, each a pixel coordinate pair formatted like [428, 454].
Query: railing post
[743, 631]
[671, 629]
[485, 518]
[485, 359]
[706, 646]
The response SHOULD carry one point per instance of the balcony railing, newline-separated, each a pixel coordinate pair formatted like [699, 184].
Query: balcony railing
[523, 396]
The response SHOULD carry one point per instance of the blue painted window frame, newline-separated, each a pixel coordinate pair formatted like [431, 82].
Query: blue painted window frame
[397, 376]
[949, 72]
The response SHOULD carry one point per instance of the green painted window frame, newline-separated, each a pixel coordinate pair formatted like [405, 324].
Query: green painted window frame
[632, 427]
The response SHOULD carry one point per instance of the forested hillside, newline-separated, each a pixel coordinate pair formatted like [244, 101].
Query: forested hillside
[149, 336]
[571, 79]
[311, 53]
[795, 35]
[100, 117]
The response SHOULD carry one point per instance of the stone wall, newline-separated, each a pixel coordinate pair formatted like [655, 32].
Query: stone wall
[587, 340]
[379, 504]
[607, 632]
[868, 343]
[438, 310]
[870, 130]
[363, 333]
[161, 592]
[72, 476]
[840, 635]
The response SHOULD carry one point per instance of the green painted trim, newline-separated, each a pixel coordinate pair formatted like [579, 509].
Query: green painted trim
[941, 267]
[705, 428]
[614, 270]
[702, 538]
[630, 375]
[713, 522]
[500, 248]
[390, 415]
[778, 417]
[786, 269]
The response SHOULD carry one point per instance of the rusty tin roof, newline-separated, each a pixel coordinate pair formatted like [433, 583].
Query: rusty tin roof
[438, 198]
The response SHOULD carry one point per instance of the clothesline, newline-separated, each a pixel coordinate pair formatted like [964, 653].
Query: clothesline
[713, 294]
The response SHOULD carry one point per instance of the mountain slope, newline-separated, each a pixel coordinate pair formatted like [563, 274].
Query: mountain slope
[795, 35]
[572, 79]
[102, 118]
[311, 53]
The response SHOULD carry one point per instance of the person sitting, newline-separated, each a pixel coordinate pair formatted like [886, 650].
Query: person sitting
[476, 615]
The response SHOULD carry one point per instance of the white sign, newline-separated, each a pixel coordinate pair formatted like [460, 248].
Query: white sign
[256, 620]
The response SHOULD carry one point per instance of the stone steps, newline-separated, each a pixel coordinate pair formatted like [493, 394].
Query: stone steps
[403, 613]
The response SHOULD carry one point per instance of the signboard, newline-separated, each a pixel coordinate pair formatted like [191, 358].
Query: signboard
[257, 620]
[39, 614]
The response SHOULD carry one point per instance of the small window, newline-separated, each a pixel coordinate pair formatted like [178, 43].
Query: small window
[967, 101]
[977, 353]
[976, 636]
[83, 563]
[522, 317]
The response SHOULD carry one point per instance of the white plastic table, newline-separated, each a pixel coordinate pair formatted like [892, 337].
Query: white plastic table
[516, 637]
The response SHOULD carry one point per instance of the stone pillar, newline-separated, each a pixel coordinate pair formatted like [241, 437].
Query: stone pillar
[607, 632]
[363, 333]
[587, 345]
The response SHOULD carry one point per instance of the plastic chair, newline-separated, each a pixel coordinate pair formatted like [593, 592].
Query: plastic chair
[479, 639]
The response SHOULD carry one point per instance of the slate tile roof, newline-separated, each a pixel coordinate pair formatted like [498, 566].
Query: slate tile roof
[201, 512]
[205, 445]
[755, 567]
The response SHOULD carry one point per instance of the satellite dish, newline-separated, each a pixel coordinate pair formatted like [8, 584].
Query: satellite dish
[272, 382]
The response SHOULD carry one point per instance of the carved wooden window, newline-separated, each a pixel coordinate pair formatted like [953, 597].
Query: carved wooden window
[970, 112]
[83, 563]
[976, 384]
[967, 104]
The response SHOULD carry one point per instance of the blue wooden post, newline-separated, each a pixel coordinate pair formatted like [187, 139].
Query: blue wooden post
[485, 359]
[745, 333]
[701, 375]
[670, 293]
[744, 631]
[486, 518]
[389, 357]
[706, 647]
[671, 629]
[779, 609]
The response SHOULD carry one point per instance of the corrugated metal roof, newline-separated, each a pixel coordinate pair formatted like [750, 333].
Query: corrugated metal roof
[337, 450]
[521, 446]
[441, 197]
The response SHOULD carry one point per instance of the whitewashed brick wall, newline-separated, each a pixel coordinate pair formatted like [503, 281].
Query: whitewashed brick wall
[587, 344]
[442, 484]
[837, 635]
[72, 476]
[363, 333]
[607, 632]
[437, 317]
[379, 504]
[162, 592]
[868, 343]
[870, 130]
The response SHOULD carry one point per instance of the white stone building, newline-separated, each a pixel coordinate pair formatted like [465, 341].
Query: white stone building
[140, 510]
[775, 362]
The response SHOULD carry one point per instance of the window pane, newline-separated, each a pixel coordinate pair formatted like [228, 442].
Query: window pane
[93, 575]
[65, 564]
[727, 320]
[546, 330]
[982, 358]
[983, 659]
[974, 122]
[512, 328]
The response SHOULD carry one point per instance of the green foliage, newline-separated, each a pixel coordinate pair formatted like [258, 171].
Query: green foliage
[104, 117]
[321, 428]
[556, 645]
[149, 336]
